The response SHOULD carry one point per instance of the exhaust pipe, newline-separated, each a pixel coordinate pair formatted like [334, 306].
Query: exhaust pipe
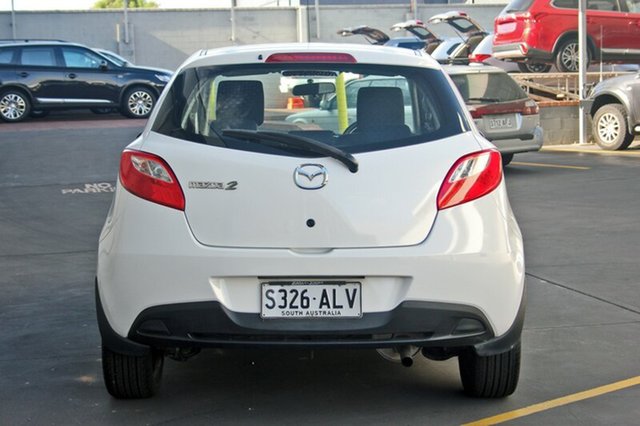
[399, 354]
[406, 355]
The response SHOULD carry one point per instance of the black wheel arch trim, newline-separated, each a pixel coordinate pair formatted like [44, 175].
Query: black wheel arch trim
[508, 340]
[593, 49]
[113, 340]
[23, 89]
[621, 100]
[142, 85]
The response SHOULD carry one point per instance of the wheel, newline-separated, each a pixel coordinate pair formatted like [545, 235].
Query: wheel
[14, 106]
[494, 376]
[129, 377]
[610, 129]
[567, 58]
[506, 159]
[138, 102]
[39, 113]
[533, 67]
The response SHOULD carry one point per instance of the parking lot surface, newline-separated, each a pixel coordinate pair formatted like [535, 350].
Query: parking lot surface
[579, 217]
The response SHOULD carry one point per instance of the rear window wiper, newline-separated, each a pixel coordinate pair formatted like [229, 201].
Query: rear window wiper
[286, 140]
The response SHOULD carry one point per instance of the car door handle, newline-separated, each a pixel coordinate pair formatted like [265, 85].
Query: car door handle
[23, 74]
[72, 75]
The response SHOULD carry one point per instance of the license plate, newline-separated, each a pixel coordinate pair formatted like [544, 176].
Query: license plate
[311, 299]
[502, 122]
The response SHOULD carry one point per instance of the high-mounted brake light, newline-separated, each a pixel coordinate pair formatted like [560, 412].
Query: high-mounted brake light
[471, 177]
[150, 177]
[311, 57]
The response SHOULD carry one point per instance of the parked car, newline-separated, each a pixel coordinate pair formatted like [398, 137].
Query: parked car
[546, 31]
[483, 54]
[501, 110]
[425, 39]
[616, 111]
[233, 228]
[380, 38]
[39, 76]
[469, 31]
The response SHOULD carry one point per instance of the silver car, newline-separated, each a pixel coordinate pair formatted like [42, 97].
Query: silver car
[501, 110]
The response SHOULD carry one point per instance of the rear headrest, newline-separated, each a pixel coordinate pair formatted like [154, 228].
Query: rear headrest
[240, 101]
[379, 106]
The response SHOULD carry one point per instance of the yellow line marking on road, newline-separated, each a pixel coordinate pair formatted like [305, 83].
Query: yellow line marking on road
[558, 402]
[626, 153]
[553, 166]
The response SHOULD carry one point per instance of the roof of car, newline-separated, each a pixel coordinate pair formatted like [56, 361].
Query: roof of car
[259, 54]
[36, 42]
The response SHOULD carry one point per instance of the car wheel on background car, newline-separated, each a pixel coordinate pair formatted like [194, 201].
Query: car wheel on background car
[138, 102]
[506, 158]
[494, 376]
[610, 129]
[534, 67]
[567, 58]
[130, 377]
[14, 106]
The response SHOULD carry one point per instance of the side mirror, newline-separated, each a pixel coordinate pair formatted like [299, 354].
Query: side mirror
[104, 65]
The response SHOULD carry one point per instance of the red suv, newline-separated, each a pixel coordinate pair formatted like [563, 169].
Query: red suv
[546, 32]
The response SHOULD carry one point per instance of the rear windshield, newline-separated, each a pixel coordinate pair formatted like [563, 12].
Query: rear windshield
[518, 6]
[354, 107]
[488, 88]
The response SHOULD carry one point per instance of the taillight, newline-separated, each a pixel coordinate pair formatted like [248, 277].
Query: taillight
[150, 177]
[475, 111]
[479, 57]
[530, 108]
[471, 177]
[311, 57]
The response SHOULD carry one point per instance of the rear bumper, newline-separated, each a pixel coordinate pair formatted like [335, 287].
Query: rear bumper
[210, 325]
[515, 145]
[521, 52]
[147, 269]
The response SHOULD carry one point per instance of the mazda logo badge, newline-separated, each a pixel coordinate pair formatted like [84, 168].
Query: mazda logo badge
[310, 176]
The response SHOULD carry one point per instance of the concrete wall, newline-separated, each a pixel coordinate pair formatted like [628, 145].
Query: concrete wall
[560, 123]
[165, 38]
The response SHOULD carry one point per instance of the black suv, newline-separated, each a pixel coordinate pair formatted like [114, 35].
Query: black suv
[38, 76]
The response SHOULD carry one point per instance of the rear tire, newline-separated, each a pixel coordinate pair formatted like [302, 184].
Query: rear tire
[533, 67]
[131, 377]
[14, 106]
[610, 129]
[494, 376]
[567, 57]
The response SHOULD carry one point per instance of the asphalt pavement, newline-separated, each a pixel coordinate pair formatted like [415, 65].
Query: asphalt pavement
[579, 217]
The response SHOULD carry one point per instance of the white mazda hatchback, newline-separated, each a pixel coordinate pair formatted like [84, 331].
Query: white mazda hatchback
[231, 227]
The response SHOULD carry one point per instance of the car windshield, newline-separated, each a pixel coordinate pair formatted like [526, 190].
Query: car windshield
[272, 107]
[487, 87]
